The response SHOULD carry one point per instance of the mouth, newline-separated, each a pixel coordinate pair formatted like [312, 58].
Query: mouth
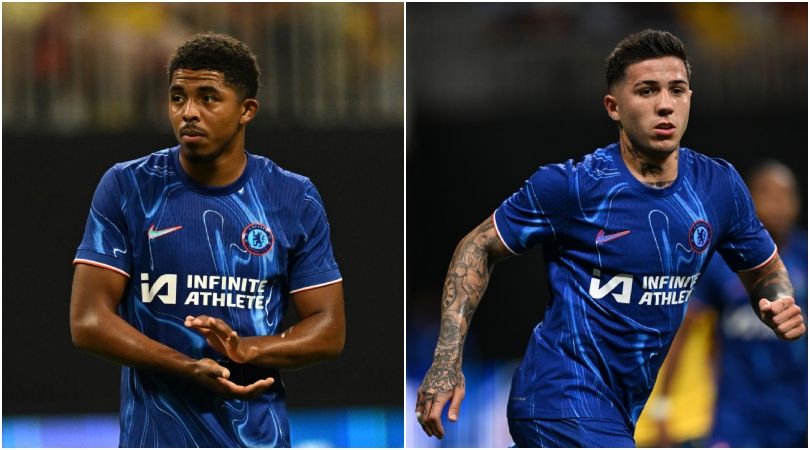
[191, 134]
[664, 129]
[188, 131]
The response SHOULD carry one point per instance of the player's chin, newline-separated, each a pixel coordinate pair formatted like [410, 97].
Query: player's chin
[665, 145]
[197, 153]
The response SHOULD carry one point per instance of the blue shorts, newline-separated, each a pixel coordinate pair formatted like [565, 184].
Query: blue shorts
[582, 432]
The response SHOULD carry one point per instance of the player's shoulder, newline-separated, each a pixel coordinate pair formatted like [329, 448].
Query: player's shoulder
[268, 168]
[279, 177]
[124, 174]
[160, 160]
[703, 165]
[602, 163]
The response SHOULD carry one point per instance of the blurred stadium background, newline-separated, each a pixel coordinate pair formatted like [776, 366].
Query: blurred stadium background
[495, 90]
[84, 86]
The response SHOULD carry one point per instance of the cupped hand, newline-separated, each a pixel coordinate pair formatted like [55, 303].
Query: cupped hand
[215, 377]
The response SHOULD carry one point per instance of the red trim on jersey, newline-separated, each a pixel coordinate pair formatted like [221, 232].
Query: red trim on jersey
[763, 263]
[498, 232]
[98, 264]
[316, 286]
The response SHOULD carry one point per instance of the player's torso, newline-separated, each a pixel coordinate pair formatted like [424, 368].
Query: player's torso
[637, 251]
[622, 267]
[194, 254]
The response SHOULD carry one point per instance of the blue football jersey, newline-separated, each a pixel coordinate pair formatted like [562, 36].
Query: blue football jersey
[622, 260]
[234, 252]
[751, 356]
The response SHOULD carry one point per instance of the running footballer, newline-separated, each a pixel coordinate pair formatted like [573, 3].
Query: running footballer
[626, 232]
[189, 259]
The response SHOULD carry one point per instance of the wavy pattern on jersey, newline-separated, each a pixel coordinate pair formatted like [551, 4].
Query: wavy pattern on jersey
[144, 189]
[600, 165]
[181, 242]
[106, 235]
[170, 420]
[163, 418]
[641, 350]
[596, 354]
[538, 220]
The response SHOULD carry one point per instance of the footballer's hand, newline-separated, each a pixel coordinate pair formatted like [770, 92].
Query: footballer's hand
[440, 385]
[213, 376]
[221, 337]
[784, 317]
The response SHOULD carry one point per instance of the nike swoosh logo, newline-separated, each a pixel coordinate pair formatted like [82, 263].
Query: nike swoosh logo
[154, 234]
[601, 237]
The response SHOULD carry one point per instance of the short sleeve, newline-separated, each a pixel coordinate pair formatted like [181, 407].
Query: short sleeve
[746, 245]
[312, 263]
[105, 242]
[535, 213]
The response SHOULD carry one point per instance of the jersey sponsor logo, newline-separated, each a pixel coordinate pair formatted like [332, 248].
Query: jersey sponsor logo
[167, 280]
[602, 238]
[659, 290]
[208, 290]
[623, 279]
[257, 239]
[154, 234]
[700, 235]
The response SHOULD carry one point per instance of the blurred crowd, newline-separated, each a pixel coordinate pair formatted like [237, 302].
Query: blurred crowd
[77, 67]
[537, 56]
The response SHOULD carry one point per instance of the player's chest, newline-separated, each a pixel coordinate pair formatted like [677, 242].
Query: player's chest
[666, 237]
[195, 234]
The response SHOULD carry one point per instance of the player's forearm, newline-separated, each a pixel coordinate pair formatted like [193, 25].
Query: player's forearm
[464, 286]
[106, 334]
[316, 338]
[770, 281]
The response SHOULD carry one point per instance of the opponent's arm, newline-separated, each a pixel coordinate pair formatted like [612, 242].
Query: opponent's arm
[465, 283]
[96, 327]
[319, 335]
[771, 295]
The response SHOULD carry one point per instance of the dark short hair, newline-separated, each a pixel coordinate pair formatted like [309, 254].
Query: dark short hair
[641, 46]
[221, 53]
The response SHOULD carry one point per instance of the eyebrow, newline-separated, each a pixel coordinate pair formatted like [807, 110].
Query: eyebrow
[656, 83]
[204, 89]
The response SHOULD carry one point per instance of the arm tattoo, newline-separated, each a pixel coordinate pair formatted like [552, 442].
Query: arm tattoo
[466, 281]
[770, 281]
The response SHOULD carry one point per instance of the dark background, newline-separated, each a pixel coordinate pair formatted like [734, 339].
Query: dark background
[85, 87]
[496, 90]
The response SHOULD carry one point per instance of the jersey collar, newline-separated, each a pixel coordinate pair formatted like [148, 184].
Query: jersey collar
[213, 191]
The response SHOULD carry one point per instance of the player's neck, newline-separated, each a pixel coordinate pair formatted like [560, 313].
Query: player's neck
[656, 169]
[222, 171]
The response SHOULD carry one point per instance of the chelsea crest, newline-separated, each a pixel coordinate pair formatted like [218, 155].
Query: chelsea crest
[257, 239]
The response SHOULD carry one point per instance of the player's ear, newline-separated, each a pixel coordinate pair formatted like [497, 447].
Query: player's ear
[612, 107]
[250, 106]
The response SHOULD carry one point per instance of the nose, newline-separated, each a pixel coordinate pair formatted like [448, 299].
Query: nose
[190, 111]
[665, 104]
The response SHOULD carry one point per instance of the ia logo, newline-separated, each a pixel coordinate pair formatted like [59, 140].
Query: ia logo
[624, 279]
[148, 293]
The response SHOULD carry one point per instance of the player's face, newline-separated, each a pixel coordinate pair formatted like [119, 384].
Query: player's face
[207, 115]
[652, 104]
[776, 200]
